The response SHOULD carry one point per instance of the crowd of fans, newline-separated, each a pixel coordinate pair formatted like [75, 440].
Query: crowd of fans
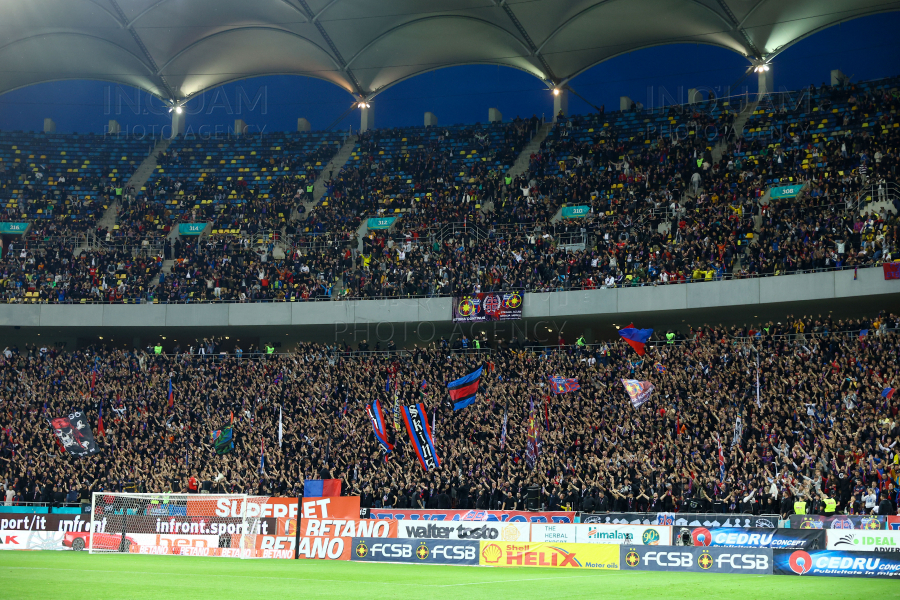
[811, 393]
[660, 209]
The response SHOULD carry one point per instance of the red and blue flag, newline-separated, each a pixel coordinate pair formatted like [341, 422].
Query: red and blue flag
[464, 390]
[416, 420]
[562, 385]
[636, 338]
[171, 394]
[321, 488]
[887, 393]
[377, 419]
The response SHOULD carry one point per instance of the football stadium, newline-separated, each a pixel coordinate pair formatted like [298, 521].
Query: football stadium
[507, 298]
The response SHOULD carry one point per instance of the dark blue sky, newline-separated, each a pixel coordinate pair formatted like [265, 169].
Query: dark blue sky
[866, 48]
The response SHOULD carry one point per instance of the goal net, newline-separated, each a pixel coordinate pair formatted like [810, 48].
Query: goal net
[183, 524]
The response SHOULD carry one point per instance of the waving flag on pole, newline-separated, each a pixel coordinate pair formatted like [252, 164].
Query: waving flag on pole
[758, 403]
[887, 393]
[721, 460]
[416, 420]
[561, 385]
[863, 334]
[531, 446]
[638, 391]
[171, 394]
[377, 419]
[280, 430]
[503, 430]
[636, 338]
[262, 454]
[101, 430]
[464, 390]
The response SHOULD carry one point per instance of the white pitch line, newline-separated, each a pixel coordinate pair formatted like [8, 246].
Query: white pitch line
[517, 580]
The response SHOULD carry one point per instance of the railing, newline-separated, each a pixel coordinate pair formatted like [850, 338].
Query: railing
[560, 286]
[881, 191]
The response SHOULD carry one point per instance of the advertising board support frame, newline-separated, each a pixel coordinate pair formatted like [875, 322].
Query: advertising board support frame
[297, 527]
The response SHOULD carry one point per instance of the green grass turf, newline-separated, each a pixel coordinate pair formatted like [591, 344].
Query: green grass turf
[78, 575]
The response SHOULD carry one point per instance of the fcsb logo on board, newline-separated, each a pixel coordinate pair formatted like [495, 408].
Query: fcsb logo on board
[362, 550]
[422, 551]
[705, 560]
[632, 559]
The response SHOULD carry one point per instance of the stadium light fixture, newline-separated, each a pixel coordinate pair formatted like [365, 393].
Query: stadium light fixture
[179, 110]
[556, 91]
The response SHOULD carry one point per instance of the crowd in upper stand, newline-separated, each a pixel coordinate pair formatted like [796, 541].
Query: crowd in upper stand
[660, 208]
[825, 423]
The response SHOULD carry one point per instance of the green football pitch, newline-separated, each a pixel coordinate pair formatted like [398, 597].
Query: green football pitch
[78, 575]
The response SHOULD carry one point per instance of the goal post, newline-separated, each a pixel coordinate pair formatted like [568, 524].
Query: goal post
[183, 524]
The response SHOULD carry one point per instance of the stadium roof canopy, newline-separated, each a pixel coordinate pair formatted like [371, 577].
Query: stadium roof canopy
[177, 48]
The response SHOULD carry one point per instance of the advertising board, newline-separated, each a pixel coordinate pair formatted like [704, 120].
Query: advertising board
[872, 541]
[737, 537]
[837, 563]
[697, 560]
[464, 530]
[441, 552]
[542, 554]
[491, 306]
[642, 535]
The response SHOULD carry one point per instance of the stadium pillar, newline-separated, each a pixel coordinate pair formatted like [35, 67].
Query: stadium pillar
[177, 123]
[764, 77]
[367, 118]
[430, 119]
[560, 103]
[624, 103]
[49, 125]
[303, 125]
[240, 128]
[494, 115]
[694, 96]
[837, 77]
[113, 128]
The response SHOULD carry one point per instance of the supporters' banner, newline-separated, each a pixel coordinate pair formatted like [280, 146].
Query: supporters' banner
[539, 554]
[465, 530]
[837, 563]
[224, 441]
[464, 390]
[562, 385]
[697, 560]
[75, 434]
[531, 443]
[321, 488]
[416, 420]
[876, 541]
[636, 338]
[377, 419]
[638, 391]
[449, 552]
[891, 270]
[837, 522]
[492, 306]
[683, 519]
[489, 516]
[739, 537]
[785, 191]
[575, 212]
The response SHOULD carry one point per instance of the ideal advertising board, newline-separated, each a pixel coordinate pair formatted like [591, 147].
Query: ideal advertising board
[440, 552]
[697, 560]
[503, 516]
[464, 530]
[837, 563]
[872, 541]
[837, 522]
[544, 554]
[807, 539]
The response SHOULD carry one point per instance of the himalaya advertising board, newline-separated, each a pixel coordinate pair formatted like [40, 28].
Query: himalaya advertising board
[436, 552]
[837, 563]
[755, 561]
[464, 530]
[873, 541]
[603, 534]
[736, 537]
